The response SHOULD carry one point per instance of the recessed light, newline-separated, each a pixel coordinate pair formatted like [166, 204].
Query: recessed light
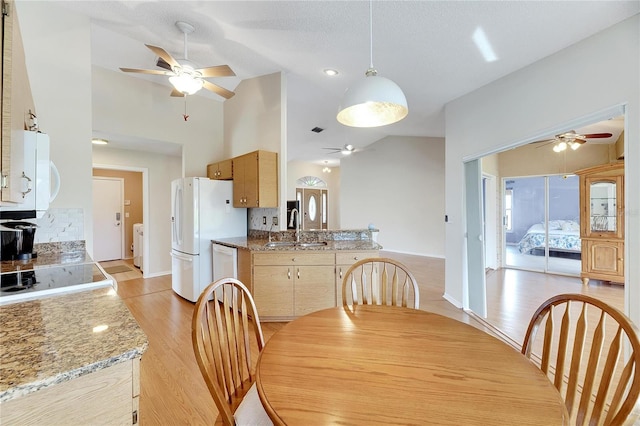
[331, 72]
[99, 141]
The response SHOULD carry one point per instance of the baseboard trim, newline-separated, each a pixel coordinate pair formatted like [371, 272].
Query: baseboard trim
[156, 274]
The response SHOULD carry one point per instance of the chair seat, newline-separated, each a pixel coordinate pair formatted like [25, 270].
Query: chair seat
[250, 412]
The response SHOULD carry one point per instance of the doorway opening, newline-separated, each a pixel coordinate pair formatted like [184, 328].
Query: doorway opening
[313, 199]
[133, 216]
[527, 160]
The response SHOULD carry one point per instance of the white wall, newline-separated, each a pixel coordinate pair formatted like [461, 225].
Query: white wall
[397, 184]
[298, 169]
[569, 87]
[58, 57]
[256, 119]
[161, 170]
[138, 108]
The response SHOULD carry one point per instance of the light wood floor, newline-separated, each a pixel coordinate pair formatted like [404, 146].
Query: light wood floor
[173, 391]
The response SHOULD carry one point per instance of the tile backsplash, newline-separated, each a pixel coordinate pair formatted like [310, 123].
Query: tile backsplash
[256, 218]
[60, 225]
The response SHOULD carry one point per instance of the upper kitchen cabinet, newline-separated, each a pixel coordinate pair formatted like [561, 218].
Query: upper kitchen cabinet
[222, 170]
[17, 102]
[255, 179]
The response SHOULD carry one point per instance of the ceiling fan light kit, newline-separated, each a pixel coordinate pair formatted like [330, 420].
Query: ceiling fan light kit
[183, 74]
[375, 101]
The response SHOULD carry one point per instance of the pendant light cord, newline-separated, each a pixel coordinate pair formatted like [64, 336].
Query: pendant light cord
[371, 33]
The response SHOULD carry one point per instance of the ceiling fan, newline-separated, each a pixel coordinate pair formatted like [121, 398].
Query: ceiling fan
[572, 140]
[183, 74]
[348, 149]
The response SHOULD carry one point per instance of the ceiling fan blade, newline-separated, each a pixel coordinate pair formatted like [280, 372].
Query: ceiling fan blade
[219, 90]
[164, 55]
[334, 149]
[163, 64]
[217, 71]
[176, 93]
[156, 72]
[597, 135]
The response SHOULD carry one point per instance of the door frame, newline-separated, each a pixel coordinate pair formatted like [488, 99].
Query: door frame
[145, 208]
[122, 235]
[471, 293]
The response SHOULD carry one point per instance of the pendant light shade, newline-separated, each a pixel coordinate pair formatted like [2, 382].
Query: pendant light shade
[372, 102]
[375, 101]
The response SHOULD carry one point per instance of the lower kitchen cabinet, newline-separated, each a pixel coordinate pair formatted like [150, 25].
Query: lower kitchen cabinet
[293, 283]
[108, 396]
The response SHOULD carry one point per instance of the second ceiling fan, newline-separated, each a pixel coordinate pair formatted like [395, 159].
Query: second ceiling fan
[572, 140]
[183, 74]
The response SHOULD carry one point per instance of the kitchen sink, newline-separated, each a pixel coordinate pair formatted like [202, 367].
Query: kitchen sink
[315, 244]
[293, 244]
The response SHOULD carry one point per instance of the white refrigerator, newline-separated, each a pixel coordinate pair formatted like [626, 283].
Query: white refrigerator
[201, 210]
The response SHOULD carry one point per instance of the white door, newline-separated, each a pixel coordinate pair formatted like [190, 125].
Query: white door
[108, 230]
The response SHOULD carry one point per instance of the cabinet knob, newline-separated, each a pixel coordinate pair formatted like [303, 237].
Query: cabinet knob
[298, 273]
[288, 273]
[355, 257]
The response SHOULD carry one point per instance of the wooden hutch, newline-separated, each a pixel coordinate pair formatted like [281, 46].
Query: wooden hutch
[602, 222]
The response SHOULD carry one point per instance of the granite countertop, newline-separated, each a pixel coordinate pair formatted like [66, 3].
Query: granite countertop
[258, 244]
[52, 340]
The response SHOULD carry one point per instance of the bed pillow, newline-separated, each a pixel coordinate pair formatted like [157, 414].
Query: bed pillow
[555, 225]
[570, 225]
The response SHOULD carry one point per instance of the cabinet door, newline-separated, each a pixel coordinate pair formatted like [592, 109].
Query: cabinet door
[314, 289]
[225, 170]
[604, 207]
[239, 166]
[251, 180]
[604, 260]
[273, 290]
[12, 69]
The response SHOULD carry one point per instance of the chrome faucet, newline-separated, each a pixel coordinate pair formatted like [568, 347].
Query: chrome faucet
[294, 213]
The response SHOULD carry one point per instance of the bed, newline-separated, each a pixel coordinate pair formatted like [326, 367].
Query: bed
[564, 239]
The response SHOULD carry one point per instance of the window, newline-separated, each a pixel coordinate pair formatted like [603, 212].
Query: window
[508, 209]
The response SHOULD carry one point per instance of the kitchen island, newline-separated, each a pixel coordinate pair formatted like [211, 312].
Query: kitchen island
[289, 277]
[69, 358]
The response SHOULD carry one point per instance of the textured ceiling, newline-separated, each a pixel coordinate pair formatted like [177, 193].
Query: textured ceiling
[426, 47]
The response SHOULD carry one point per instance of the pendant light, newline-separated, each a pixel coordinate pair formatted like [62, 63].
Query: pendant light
[374, 101]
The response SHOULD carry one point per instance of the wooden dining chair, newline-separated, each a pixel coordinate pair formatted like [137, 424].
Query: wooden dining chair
[591, 353]
[380, 281]
[224, 331]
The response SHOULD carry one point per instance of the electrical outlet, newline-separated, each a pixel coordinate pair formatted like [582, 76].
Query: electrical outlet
[274, 221]
[264, 220]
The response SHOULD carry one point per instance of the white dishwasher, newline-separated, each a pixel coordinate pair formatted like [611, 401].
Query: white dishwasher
[225, 262]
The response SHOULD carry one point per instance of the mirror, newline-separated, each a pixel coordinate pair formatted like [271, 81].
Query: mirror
[602, 199]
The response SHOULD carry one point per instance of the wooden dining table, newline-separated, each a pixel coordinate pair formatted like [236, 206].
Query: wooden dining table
[385, 365]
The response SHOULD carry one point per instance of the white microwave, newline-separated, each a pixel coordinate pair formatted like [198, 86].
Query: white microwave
[41, 180]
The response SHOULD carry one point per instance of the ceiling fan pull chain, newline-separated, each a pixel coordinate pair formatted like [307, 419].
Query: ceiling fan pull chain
[185, 116]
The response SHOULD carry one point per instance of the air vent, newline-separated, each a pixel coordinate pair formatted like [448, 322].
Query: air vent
[317, 129]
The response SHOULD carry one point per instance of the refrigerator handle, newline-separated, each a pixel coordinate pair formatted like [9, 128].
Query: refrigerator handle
[177, 219]
[182, 257]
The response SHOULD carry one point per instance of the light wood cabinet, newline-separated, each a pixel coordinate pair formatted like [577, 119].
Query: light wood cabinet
[602, 222]
[292, 283]
[255, 180]
[344, 260]
[222, 170]
[107, 396]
